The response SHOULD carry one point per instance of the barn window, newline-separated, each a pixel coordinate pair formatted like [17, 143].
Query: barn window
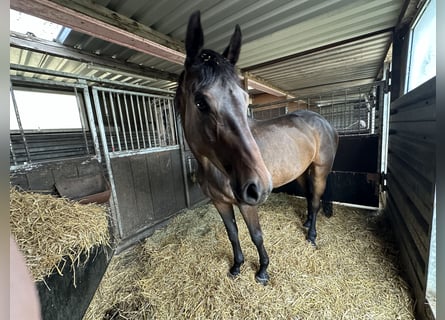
[422, 48]
[27, 24]
[46, 125]
[41, 110]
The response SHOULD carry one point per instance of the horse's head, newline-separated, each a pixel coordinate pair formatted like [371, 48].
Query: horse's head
[213, 109]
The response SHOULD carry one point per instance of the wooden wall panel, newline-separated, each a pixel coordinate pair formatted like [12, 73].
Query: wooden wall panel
[411, 182]
[149, 189]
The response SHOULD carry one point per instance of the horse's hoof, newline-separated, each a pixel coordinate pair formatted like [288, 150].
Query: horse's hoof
[312, 242]
[234, 272]
[262, 278]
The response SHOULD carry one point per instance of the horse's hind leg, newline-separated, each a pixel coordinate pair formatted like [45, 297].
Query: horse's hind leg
[318, 177]
[306, 186]
[250, 215]
[226, 212]
[326, 199]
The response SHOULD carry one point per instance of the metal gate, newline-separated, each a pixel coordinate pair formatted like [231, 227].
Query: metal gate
[142, 156]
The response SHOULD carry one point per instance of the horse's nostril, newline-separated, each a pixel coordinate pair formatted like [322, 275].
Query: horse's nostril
[252, 193]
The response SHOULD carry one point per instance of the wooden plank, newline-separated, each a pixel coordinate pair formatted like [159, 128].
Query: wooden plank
[168, 196]
[123, 181]
[177, 180]
[41, 180]
[423, 110]
[64, 171]
[416, 282]
[418, 158]
[411, 262]
[98, 21]
[142, 190]
[87, 168]
[156, 164]
[423, 92]
[422, 129]
[415, 189]
[416, 226]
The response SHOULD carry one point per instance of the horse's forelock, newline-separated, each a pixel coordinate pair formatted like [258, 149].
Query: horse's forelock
[210, 67]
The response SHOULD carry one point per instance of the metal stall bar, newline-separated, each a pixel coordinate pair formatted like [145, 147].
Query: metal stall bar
[114, 200]
[122, 121]
[156, 116]
[135, 121]
[128, 121]
[11, 150]
[105, 105]
[90, 116]
[82, 120]
[152, 122]
[146, 122]
[116, 127]
[162, 128]
[19, 122]
[140, 121]
[173, 128]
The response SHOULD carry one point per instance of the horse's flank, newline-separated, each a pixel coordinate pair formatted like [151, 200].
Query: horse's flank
[290, 143]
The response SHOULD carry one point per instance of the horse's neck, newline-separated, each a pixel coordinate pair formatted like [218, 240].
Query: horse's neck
[213, 182]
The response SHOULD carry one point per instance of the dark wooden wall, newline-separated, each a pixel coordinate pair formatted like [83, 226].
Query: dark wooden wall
[355, 178]
[149, 190]
[411, 182]
[44, 146]
[42, 177]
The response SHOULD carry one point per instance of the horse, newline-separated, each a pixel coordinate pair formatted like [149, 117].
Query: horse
[241, 160]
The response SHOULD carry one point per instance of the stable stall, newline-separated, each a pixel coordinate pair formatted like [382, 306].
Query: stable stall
[95, 142]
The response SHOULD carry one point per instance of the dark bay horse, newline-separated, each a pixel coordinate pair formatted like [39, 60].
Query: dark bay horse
[239, 159]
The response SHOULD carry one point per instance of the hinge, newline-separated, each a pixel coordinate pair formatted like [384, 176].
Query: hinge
[384, 181]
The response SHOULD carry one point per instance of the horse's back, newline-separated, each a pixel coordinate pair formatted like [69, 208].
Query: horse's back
[327, 136]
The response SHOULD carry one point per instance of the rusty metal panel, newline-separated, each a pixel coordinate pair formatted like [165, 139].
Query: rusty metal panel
[411, 180]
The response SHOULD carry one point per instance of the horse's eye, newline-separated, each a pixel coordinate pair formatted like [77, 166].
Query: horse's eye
[201, 102]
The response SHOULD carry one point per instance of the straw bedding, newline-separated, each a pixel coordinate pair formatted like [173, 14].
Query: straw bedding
[53, 231]
[181, 271]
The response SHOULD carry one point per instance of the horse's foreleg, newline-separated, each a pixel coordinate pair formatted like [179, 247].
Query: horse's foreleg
[226, 212]
[250, 215]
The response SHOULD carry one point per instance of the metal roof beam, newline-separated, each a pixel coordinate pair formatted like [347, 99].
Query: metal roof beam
[314, 50]
[100, 22]
[51, 48]
[97, 21]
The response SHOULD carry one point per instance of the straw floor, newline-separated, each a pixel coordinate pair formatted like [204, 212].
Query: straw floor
[181, 271]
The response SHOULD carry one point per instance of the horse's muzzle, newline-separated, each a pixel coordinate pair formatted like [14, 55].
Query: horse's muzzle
[254, 193]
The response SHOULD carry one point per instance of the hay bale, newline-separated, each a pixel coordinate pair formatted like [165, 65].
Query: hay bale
[53, 231]
[181, 271]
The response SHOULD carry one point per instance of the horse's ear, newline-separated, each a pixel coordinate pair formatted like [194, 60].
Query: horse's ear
[194, 39]
[233, 49]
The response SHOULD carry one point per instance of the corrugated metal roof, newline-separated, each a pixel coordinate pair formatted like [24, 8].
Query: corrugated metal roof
[275, 32]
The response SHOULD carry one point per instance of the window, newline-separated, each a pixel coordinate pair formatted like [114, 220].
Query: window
[422, 50]
[45, 111]
[25, 23]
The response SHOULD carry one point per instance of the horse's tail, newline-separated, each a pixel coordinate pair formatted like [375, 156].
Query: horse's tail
[326, 198]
